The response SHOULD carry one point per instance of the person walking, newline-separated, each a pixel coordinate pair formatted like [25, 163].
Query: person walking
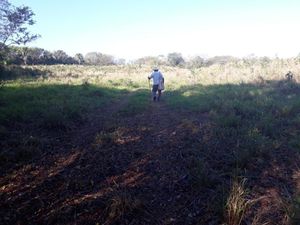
[158, 83]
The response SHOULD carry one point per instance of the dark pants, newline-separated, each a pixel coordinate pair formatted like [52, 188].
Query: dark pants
[154, 91]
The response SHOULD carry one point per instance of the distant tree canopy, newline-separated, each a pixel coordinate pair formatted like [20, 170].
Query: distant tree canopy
[175, 59]
[97, 58]
[14, 22]
[30, 56]
[219, 60]
[195, 62]
[34, 56]
[79, 59]
[151, 60]
[60, 57]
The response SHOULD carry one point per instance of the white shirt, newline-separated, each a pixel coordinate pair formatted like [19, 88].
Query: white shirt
[157, 77]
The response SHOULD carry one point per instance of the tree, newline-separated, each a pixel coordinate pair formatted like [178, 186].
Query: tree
[61, 57]
[149, 60]
[23, 53]
[120, 61]
[13, 55]
[221, 60]
[39, 56]
[175, 59]
[79, 58]
[91, 58]
[195, 62]
[106, 60]
[14, 22]
[47, 57]
[97, 58]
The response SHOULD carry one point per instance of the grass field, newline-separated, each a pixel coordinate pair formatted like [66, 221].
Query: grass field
[222, 147]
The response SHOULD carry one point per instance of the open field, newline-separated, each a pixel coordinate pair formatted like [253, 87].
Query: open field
[86, 145]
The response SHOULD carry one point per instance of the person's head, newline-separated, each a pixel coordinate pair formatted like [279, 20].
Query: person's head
[155, 69]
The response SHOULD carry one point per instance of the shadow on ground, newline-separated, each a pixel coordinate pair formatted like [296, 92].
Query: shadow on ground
[12, 72]
[133, 161]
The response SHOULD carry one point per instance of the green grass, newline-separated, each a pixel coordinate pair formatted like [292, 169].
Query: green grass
[135, 104]
[32, 110]
[256, 116]
[51, 105]
[249, 124]
[246, 122]
[243, 106]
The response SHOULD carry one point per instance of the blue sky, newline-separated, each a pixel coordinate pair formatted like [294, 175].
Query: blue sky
[135, 28]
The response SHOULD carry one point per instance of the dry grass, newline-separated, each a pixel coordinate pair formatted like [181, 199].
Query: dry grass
[242, 71]
[238, 204]
[122, 205]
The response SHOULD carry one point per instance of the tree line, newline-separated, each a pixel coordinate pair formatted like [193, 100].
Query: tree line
[17, 55]
[14, 24]
[14, 33]
[35, 56]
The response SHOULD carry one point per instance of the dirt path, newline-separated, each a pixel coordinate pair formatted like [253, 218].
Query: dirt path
[98, 121]
[132, 166]
[141, 167]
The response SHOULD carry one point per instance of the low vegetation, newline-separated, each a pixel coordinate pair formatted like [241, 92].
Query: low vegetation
[222, 147]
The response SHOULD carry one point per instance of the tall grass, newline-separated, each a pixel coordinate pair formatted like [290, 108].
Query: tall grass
[237, 203]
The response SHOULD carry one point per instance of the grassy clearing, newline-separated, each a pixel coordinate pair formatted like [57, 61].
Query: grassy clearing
[252, 113]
